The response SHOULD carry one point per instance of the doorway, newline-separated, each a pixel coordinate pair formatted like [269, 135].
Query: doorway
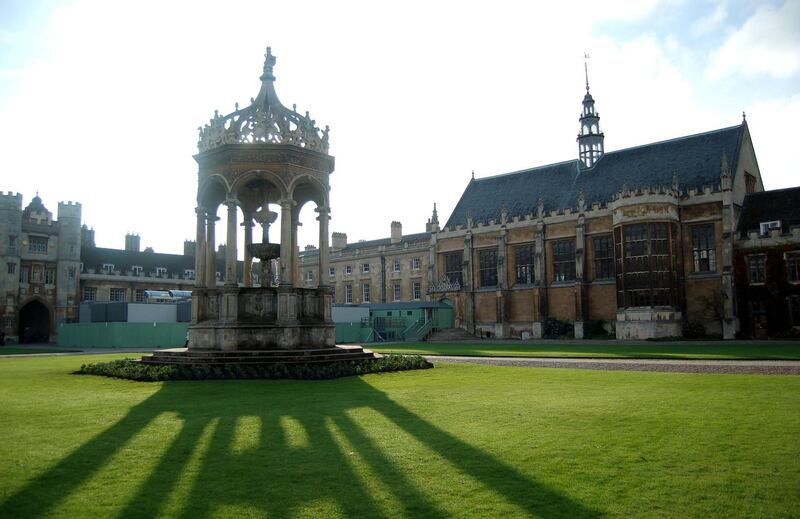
[34, 323]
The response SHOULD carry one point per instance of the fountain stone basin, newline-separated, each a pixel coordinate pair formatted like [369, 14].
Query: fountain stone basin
[265, 251]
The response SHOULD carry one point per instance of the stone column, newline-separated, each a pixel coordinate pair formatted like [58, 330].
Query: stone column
[466, 275]
[211, 253]
[296, 281]
[540, 274]
[248, 258]
[581, 300]
[230, 247]
[200, 250]
[324, 262]
[286, 241]
[501, 329]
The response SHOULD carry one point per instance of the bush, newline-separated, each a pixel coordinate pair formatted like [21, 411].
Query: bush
[132, 369]
[596, 329]
[694, 330]
[555, 329]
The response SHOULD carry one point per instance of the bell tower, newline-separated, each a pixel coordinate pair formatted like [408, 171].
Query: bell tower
[590, 138]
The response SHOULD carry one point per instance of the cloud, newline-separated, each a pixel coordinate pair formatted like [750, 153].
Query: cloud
[768, 122]
[767, 44]
[710, 22]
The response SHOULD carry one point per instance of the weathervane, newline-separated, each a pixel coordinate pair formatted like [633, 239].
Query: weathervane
[586, 68]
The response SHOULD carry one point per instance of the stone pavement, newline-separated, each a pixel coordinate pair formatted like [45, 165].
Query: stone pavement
[753, 367]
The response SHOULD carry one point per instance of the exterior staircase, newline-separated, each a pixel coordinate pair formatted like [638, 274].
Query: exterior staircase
[451, 335]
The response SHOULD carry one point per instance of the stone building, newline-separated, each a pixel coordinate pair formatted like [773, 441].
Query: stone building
[50, 266]
[387, 270]
[766, 264]
[40, 260]
[636, 237]
[125, 274]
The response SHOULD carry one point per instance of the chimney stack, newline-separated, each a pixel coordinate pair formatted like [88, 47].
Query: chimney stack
[397, 233]
[132, 242]
[339, 241]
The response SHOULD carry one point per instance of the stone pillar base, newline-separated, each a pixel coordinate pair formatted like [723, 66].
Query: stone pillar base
[537, 330]
[578, 327]
[729, 328]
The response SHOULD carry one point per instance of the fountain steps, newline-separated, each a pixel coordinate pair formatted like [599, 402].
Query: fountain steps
[185, 356]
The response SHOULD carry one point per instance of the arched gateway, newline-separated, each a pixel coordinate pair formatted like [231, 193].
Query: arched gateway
[34, 322]
[258, 158]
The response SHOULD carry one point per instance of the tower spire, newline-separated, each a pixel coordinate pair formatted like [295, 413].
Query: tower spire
[590, 139]
[586, 69]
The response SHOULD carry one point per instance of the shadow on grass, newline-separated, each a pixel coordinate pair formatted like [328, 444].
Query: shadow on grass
[279, 468]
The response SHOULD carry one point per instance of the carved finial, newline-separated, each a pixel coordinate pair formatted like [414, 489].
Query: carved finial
[725, 170]
[503, 212]
[236, 105]
[469, 218]
[473, 174]
[581, 202]
[540, 208]
[675, 184]
[725, 173]
[744, 117]
[294, 107]
[269, 63]
[586, 69]
[435, 216]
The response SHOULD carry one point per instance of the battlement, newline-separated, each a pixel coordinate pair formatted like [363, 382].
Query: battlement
[69, 209]
[11, 200]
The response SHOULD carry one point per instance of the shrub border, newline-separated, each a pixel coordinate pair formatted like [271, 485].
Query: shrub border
[133, 369]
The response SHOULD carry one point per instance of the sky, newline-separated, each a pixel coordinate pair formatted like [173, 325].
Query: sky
[100, 100]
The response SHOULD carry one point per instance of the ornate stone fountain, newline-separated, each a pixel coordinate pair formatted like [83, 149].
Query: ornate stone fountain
[261, 155]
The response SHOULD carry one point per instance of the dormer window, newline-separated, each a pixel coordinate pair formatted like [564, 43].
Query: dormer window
[137, 270]
[767, 226]
[108, 268]
[161, 271]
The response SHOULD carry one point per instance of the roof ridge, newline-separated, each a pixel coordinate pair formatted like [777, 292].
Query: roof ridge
[552, 164]
[528, 170]
[675, 139]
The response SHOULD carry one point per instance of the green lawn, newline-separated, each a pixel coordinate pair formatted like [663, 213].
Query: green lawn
[16, 350]
[458, 440]
[649, 350]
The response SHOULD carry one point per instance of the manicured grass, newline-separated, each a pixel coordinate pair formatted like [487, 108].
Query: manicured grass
[458, 440]
[649, 350]
[16, 350]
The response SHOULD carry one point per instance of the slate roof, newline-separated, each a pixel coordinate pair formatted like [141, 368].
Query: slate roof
[123, 260]
[767, 206]
[407, 238]
[697, 160]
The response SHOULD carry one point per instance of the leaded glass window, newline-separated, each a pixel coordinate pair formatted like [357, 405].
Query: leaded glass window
[603, 247]
[452, 267]
[487, 260]
[523, 264]
[564, 260]
[704, 251]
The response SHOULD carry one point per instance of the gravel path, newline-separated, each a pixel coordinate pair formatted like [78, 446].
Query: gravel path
[752, 367]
